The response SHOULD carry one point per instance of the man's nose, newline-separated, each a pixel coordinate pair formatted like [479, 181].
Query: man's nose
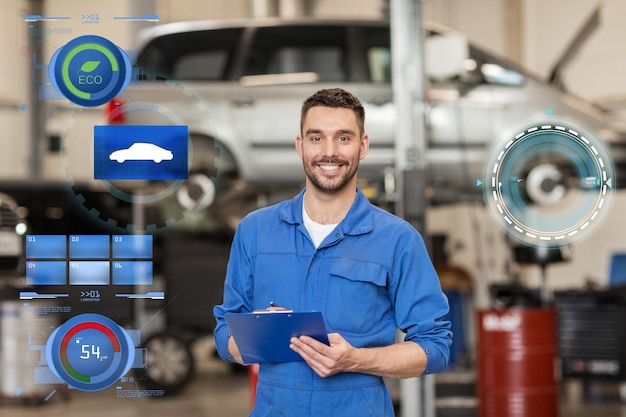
[331, 148]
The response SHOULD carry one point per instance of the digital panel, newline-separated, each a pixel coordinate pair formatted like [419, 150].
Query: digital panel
[89, 247]
[132, 246]
[89, 272]
[141, 152]
[90, 352]
[132, 273]
[46, 246]
[46, 272]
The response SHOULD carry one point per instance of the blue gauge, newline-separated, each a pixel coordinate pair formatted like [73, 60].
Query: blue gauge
[90, 352]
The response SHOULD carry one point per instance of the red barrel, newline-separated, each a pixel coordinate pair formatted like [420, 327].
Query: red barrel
[517, 368]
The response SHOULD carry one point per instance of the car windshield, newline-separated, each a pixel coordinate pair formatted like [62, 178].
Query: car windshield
[486, 68]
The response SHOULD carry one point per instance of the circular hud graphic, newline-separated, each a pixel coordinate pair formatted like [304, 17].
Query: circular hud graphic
[90, 352]
[90, 70]
[549, 184]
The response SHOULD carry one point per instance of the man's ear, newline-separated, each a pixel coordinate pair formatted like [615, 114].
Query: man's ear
[299, 146]
[365, 146]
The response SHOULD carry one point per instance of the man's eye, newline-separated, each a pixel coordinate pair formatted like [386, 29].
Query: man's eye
[316, 139]
[343, 138]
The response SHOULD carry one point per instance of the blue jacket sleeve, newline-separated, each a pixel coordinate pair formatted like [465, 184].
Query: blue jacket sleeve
[420, 304]
[238, 289]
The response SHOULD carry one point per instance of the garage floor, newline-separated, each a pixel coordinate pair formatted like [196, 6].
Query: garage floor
[217, 391]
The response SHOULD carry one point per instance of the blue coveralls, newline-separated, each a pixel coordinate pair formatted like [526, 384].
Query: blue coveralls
[371, 275]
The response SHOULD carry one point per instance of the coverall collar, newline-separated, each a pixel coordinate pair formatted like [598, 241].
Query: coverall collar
[358, 221]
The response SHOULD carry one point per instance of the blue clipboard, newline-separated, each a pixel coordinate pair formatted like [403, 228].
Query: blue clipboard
[263, 337]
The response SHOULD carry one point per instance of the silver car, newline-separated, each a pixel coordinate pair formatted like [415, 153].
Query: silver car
[239, 84]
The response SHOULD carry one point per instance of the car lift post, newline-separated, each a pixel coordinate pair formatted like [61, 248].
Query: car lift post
[409, 92]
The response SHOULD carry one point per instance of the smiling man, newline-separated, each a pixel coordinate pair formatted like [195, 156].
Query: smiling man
[330, 250]
[334, 142]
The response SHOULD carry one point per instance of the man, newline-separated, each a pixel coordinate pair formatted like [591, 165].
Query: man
[330, 250]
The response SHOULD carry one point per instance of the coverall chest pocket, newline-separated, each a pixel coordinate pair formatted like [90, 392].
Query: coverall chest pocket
[357, 296]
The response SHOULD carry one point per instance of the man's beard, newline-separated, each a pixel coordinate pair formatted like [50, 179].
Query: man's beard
[329, 185]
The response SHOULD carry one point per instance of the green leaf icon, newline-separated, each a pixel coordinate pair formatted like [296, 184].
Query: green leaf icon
[89, 66]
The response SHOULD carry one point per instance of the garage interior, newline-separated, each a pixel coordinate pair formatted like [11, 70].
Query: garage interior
[538, 327]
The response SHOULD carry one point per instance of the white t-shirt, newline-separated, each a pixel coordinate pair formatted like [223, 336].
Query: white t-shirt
[317, 231]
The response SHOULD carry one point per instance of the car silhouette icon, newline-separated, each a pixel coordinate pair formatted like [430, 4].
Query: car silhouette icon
[142, 151]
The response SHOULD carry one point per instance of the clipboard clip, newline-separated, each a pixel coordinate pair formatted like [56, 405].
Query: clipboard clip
[273, 308]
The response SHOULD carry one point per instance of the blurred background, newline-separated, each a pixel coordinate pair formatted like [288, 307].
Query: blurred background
[235, 73]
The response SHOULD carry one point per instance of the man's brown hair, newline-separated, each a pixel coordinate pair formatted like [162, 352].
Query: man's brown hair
[337, 98]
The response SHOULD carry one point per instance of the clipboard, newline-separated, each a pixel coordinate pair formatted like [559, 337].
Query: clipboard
[263, 337]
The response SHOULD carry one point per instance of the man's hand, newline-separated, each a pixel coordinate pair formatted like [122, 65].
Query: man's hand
[234, 350]
[398, 360]
[323, 359]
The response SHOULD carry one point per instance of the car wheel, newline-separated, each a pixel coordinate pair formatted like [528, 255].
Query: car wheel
[169, 364]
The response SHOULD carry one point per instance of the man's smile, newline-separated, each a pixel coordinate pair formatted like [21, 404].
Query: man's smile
[329, 168]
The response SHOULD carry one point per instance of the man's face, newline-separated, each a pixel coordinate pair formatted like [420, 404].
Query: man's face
[331, 146]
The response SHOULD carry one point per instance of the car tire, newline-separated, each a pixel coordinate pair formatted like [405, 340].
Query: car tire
[170, 363]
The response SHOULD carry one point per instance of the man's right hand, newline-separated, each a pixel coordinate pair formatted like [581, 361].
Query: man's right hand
[234, 350]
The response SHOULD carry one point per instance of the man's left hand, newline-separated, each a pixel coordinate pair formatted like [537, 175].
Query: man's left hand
[323, 359]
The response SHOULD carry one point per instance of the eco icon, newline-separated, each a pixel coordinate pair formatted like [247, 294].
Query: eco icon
[90, 70]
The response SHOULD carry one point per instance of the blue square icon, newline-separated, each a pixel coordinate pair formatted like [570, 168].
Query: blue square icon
[132, 246]
[46, 273]
[89, 246]
[46, 246]
[141, 152]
